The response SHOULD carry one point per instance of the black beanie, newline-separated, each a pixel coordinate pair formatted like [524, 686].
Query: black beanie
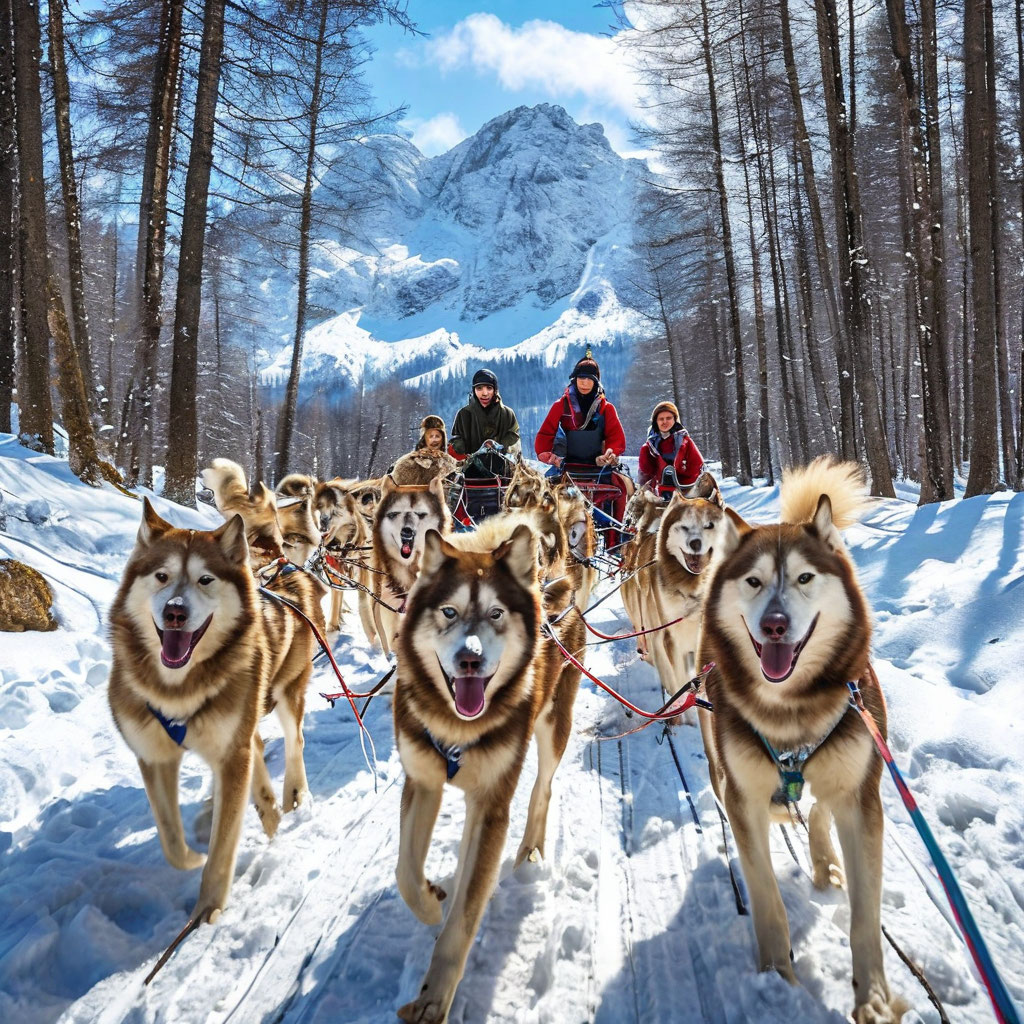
[485, 377]
[587, 367]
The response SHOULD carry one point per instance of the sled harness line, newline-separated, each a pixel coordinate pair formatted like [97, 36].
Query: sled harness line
[331, 575]
[1005, 1011]
[372, 692]
[790, 763]
[605, 597]
[627, 636]
[284, 567]
[693, 686]
[682, 700]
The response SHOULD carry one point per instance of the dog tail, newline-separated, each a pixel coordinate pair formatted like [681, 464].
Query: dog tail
[296, 485]
[843, 482]
[226, 479]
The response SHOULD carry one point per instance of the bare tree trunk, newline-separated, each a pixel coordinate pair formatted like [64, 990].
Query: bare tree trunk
[744, 472]
[1019, 17]
[853, 255]
[72, 207]
[8, 214]
[937, 471]
[847, 419]
[182, 449]
[35, 410]
[1006, 430]
[764, 454]
[375, 443]
[286, 419]
[138, 418]
[721, 393]
[984, 473]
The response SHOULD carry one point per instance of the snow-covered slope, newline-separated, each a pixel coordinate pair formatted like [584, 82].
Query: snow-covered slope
[521, 233]
[633, 916]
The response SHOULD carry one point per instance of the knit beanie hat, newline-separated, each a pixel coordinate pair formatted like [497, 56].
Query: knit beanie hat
[660, 408]
[587, 367]
[485, 377]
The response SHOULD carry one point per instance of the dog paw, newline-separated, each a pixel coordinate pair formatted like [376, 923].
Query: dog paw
[880, 1007]
[425, 1010]
[270, 818]
[187, 860]
[296, 798]
[828, 876]
[528, 853]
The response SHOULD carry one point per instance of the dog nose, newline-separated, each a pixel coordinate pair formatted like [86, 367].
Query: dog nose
[469, 662]
[695, 545]
[408, 533]
[175, 615]
[774, 625]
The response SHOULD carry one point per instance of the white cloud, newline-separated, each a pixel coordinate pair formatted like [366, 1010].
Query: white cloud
[436, 134]
[540, 54]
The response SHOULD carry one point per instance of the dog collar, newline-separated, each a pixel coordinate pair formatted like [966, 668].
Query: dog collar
[790, 764]
[174, 727]
[452, 754]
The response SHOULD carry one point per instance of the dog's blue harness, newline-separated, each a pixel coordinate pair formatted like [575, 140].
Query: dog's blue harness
[174, 727]
[790, 764]
[452, 754]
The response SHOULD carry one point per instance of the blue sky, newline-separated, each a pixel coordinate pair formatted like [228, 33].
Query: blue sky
[479, 59]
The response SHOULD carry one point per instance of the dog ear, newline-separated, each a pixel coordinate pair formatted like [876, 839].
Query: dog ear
[388, 486]
[152, 526]
[519, 552]
[436, 487]
[436, 551]
[826, 528]
[231, 537]
[717, 499]
[735, 527]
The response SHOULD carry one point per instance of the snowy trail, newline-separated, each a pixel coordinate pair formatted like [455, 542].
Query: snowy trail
[632, 917]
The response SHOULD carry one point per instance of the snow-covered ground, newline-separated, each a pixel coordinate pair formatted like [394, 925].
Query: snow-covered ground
[633, 917]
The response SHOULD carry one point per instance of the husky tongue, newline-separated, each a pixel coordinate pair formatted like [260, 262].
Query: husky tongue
[469, 695]
[406, 550]
[175, 647]
[777, 661]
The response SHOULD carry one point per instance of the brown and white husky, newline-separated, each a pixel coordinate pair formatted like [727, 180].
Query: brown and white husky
[476, 678]
[401, 519]
[198, 658]
[787, 626]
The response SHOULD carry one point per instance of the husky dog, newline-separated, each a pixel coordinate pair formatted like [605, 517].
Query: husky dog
[421, 466]
[256, 505]
[580, 539]
[643, 516]
[401, 519]
[475, 679]
[526, 488]
[346, 537]
[787, 626]
[689, 531]
[198, 658]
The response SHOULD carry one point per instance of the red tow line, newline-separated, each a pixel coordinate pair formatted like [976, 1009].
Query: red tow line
[684, 698]
[627, 636]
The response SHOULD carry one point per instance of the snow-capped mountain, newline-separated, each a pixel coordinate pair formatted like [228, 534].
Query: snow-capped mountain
[514, 248]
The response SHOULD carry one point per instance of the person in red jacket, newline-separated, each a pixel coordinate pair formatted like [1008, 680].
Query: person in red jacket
[669, 445]
[582, 429]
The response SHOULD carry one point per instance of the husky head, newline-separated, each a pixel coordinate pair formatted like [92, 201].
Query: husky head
[367, 495]
[296, 485]
[403, 517]
[577, 525]
[472, 622]
[299, 531]
[185, 591]
[786, 598]
[526, 489]
[691, 527]
[340, 518]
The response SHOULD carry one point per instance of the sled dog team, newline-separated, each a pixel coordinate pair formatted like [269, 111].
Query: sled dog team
[200, 655]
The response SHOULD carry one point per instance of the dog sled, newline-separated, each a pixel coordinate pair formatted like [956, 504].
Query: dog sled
[478, 491]
[600, 492]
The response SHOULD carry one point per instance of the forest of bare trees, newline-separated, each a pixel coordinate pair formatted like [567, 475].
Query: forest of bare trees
[833, 244]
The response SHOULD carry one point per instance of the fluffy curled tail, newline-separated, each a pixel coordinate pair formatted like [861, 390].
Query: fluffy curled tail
[226, 479]
[843, 482]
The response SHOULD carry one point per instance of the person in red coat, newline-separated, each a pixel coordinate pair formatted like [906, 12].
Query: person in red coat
[668, 444]
[582, 429]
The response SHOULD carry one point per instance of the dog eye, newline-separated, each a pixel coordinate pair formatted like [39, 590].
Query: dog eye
[161, 577]
[754, 582]
[449, 612]
[421, 515]
[495, 614]
[805, 577]
[392, 515]
[205, 581]
[709, 526]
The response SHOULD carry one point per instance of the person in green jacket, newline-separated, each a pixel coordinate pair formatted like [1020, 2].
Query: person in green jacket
[485, 422]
